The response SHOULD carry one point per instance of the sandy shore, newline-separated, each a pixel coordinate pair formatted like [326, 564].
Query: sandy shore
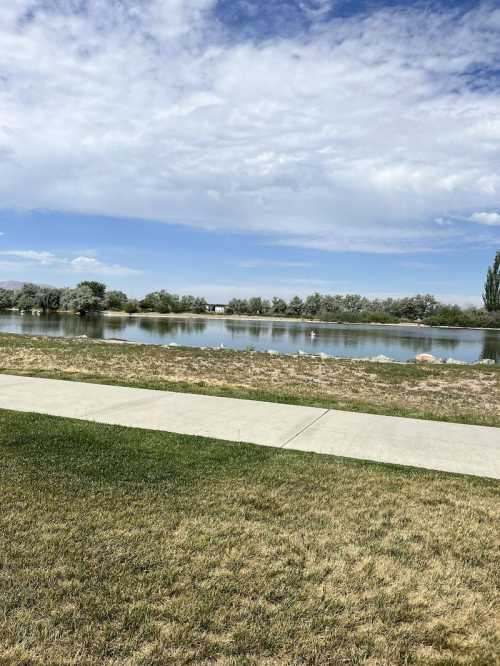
[222, 317]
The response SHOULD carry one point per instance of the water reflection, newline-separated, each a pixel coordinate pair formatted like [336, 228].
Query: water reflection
[491, 346]
[399, 342]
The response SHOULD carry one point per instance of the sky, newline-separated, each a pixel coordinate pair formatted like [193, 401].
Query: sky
[251, 147]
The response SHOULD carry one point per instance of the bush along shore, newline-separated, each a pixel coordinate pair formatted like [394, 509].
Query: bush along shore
[92, 297]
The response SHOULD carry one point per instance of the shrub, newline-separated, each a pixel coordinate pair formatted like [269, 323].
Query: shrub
[131, 307]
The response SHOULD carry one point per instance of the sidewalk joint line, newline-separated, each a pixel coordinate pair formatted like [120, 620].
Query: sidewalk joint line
[302, 430]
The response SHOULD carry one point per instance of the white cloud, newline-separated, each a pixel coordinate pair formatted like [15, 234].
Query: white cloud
[42, 258]
[489, 219]
[354, 138]
[265, 263]
[83, 264]
[92, 266]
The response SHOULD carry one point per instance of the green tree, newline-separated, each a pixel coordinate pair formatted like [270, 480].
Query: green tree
[186, 303]
[26, 297]
[278, 306]
[48, 299]
[81, 300]
[491, 295]
[331, 304]
[7, 299]
[238, 306]
[115, 300]
[199, 305]
[97, 288]
[131, 307]
[295, 307]
[266, 307]
[312, 306]
[255, 305]
[354, 303]
[161, 301]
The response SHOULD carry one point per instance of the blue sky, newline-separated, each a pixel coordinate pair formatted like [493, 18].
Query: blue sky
[248, 146]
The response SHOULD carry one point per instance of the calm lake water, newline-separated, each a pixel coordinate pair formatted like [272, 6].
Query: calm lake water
[398, 342]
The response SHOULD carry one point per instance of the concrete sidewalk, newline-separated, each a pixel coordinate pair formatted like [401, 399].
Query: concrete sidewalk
[435, 445]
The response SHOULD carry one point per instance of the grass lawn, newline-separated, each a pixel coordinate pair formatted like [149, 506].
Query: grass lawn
[131, 547]
[467, 394]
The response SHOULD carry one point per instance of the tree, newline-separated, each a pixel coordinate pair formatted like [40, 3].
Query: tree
[160, 301]
[238, 306]
[255, 306]
[115, 300]
[97, 288]
[131, 307]
[186, 303]
[26, 297]
[354, 303]
[331, 304]
[295, 307]
[266, 307]
[312, 306]
[81, 300]
[48, 299]
[7, 299]
[278, 306]
[491, 295]
[199, 305]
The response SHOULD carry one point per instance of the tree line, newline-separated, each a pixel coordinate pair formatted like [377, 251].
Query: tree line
[93, 296]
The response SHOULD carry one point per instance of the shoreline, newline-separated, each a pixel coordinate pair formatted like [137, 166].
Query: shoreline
[323, 356]
[225, 317]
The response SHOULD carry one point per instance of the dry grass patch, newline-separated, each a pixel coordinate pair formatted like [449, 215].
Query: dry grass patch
[468, 394]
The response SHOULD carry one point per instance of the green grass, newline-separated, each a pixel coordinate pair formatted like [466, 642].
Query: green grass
[131, 547]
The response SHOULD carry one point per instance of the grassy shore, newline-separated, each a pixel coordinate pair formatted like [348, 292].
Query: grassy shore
[468, 394]
[138, 548]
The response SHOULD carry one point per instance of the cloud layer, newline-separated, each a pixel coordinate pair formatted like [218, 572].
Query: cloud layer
[355, 136]
[84, 265]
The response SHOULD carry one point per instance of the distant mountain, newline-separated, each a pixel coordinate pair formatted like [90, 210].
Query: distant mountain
[15, 285]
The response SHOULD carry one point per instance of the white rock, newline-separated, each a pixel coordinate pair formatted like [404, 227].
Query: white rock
[454, 361]
[273, 352]
[486, 361]
[426, 358]
[322, 355]
[382, 359]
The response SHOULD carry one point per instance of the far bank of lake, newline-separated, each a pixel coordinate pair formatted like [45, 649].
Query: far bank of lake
[398, 341]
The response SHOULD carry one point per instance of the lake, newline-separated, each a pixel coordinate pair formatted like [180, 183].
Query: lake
[347, 340]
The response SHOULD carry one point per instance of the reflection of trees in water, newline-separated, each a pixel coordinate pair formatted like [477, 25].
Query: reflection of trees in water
[255, 330]
[66, 324]
[115, 324]
[491, 345]
[349, 337]
[169, 326]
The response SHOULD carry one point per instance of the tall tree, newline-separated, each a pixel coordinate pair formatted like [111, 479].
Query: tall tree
[97, 288]
[7, 299]
[48, 298]
[81, 300]
[491, 295]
